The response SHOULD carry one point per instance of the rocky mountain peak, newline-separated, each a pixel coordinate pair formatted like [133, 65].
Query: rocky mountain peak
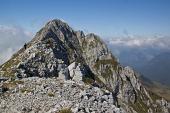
[75, 69]
[57, 22]
[55, 29]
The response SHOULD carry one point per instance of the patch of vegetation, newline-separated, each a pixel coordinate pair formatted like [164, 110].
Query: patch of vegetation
[110, 66]
[142, 107]
[108, 72]
[157, 89]
[139, 106]
[102, 84]
[7, 67]
[65, 110]
[26, 90]
[105, 62]
[12, 84]
[51, 94]
[88, 80]
[154, 96]
[18, 82]
[70, 53]
[98, 80]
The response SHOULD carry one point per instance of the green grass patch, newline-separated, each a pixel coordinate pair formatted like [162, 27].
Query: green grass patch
[51, 94]
[139, 106]
[12, 84]
[65, 110]
[88, 80]
[105, 62]
[154, 96]
[7, 67]
[26, 90]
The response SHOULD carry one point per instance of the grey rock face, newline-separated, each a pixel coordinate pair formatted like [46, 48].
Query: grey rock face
[53, 45]
[75, 71]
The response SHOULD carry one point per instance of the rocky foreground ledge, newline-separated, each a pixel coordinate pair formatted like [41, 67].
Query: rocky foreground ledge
[52, 95]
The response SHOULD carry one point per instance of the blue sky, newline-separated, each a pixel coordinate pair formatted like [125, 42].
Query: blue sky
[104, 17]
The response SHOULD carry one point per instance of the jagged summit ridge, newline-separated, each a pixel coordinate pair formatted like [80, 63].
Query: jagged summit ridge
[57, 23]
[54, 29]
[67, 55]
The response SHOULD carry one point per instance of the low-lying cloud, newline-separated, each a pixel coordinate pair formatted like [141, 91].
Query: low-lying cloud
[153, 42]
[138, 50]
[11, 39]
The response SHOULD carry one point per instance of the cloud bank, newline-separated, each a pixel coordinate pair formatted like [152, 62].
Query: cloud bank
[135, 51]
[153, 42]
[11, 39]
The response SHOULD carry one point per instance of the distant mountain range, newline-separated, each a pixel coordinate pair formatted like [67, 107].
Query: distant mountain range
[149, 56]
[159, 89]
[158, 68]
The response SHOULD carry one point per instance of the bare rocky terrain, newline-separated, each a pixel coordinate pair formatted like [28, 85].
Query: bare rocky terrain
[62, 70]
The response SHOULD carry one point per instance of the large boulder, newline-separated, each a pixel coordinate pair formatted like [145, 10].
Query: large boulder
[76, 71]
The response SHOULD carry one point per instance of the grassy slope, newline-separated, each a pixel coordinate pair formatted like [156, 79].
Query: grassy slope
[157, 88]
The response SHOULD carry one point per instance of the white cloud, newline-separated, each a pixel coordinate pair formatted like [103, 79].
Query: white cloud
[11, 39]
[137, 50]
[153, 42]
